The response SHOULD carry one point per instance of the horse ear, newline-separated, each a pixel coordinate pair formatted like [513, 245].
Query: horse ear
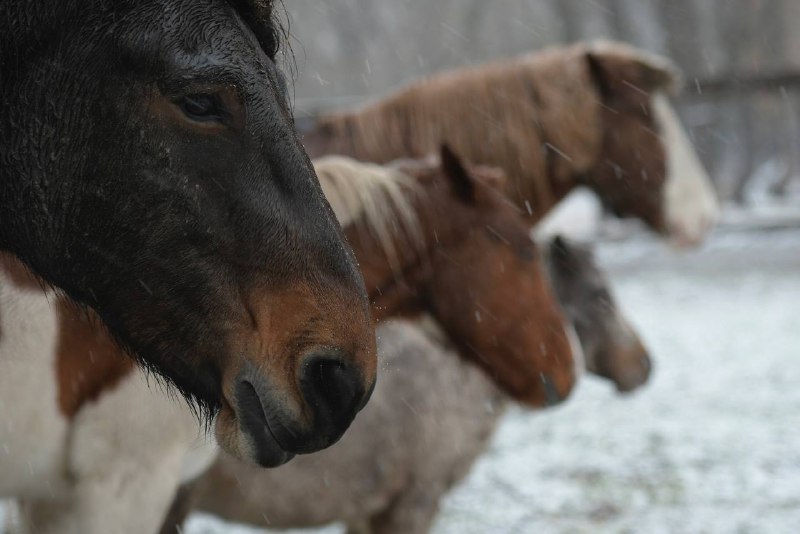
[460, 180]
[263, 9]
[621, 71]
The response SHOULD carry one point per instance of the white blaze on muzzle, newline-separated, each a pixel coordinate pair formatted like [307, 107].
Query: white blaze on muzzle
[690, 204]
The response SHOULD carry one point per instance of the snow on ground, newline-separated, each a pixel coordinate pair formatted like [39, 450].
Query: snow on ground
[711, 445]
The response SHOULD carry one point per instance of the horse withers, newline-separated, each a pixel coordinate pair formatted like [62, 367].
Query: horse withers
[149, 170]
[592, 114]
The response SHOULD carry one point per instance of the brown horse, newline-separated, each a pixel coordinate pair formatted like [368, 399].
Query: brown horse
[389, 478]
[594, 115]
[435, 236]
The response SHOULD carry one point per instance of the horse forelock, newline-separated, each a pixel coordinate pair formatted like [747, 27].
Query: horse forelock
[380, 198]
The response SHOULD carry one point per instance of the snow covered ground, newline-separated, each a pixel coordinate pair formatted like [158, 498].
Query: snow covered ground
[711, 445]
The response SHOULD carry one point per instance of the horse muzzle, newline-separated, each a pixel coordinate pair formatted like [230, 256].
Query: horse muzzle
[270, 428]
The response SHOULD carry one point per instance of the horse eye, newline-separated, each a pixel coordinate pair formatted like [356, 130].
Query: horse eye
[201, 107]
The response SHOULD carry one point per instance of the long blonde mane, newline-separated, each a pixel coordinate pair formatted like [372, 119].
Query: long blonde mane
[377, 197]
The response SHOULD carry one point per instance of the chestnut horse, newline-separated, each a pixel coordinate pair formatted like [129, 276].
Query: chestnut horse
[150, 171]
[594, 115]
[410, 232]
[441, 413]
[440, 237]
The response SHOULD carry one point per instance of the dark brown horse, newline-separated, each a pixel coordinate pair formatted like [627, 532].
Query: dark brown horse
[149, 170]
[594, 115]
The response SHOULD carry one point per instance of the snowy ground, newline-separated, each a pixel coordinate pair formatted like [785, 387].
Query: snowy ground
[711, 445]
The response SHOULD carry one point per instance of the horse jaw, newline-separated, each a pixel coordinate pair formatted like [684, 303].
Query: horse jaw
[690, 204]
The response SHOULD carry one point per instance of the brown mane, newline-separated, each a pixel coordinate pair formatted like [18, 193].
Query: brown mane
[554, 128]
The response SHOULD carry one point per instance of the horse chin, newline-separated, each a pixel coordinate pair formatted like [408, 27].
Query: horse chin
[627, 382]
[683, 239]
[248, 445]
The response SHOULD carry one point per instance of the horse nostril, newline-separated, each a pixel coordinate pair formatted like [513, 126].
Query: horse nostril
[334, 390]
[551, 394]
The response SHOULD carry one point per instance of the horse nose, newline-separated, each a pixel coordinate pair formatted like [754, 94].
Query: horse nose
[637, 373]
[334, 390]
[552, 395]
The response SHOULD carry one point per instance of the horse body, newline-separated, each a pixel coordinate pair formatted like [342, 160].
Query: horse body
[28, 428]
[584, 115]
[63, 454]
[441, 412]
[149, 171]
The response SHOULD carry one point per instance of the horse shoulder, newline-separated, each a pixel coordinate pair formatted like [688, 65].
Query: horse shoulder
[138, 443]
[32, 428]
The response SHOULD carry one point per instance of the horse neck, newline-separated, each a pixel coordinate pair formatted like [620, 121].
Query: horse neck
[349, 134]
[318, 142]
[544, 160]
[396, 289]
[26, 30]
[85, 361]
